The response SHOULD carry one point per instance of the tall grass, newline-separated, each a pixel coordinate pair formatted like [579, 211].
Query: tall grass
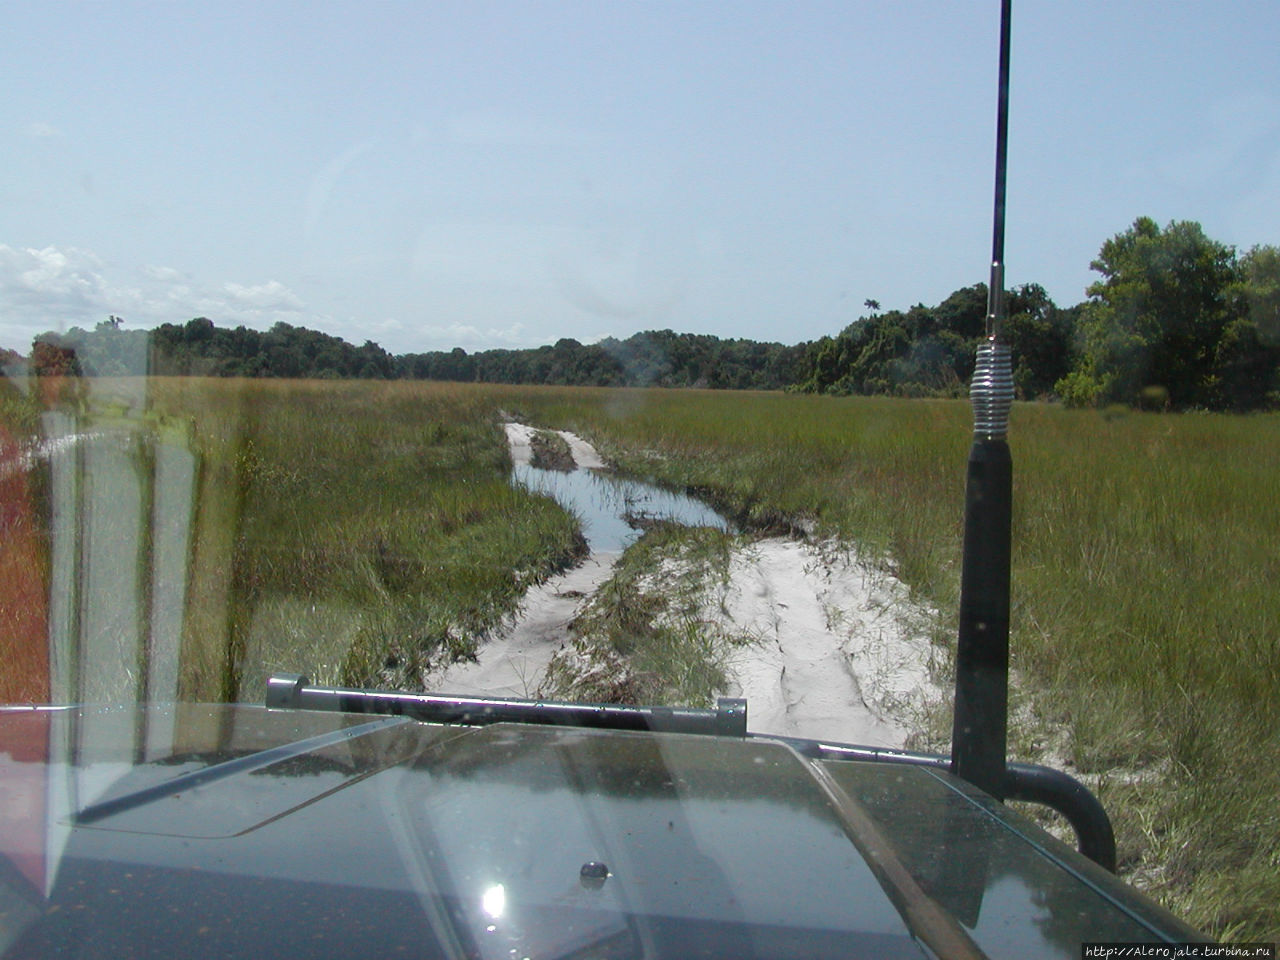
[641, 637]
[357, 531]
[877, 470]
[1151, 623]
[360, 533]
[1146, 588]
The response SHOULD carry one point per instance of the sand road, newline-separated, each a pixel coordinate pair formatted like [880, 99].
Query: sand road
[839, 651]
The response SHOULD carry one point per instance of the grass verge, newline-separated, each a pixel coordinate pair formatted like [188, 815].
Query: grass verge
[377, 531]
[640, 638]
[1145, 589]
[356, 531]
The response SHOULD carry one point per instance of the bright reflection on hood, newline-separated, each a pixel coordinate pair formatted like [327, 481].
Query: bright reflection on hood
[494, 901]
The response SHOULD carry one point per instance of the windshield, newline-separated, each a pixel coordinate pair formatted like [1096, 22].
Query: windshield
[621, 354]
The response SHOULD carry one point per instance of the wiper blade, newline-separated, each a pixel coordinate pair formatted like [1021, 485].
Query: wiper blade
[257, 760]
[291, 691]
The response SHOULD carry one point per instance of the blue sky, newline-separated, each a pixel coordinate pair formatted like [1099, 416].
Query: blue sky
[431, 175]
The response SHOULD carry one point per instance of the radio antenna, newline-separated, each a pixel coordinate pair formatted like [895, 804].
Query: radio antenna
[980, 727]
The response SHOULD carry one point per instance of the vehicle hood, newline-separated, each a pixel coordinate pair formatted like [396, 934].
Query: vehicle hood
[204, 830]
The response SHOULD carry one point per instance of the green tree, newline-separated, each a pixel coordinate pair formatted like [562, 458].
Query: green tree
[925, 352]
[1248, 356]
[1261, 273]
[1041, 340]
[964, 313]
[1153, 324]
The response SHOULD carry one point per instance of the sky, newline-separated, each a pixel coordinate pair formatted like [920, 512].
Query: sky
[431, 175]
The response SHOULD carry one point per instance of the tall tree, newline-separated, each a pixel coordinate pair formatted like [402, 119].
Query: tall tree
[1152, 325]
[1261, 274]
[1041, 338]
[1248, 356]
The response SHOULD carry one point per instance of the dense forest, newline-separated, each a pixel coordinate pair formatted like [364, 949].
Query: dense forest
[654, 358]
[1176, 321]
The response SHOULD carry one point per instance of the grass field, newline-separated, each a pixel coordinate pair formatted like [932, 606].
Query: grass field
[1146, 604]
[356, 531]
[377, 530]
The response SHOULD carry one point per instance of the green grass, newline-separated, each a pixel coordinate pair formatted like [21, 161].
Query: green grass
[550, 451]
[24, 554]
[343, 527]
[640, 638]
[357, 533]
[1146, 588]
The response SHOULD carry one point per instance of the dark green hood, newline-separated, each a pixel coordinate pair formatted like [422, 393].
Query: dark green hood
[245, 832]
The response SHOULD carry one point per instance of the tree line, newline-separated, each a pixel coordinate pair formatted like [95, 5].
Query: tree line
[1176, 321]
[930, 351]
[660, 358]
[200, 348]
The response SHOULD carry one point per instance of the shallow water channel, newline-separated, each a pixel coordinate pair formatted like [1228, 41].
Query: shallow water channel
[614, 511]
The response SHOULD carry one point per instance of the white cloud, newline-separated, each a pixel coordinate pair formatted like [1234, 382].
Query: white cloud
[54, 289]
[59, 288]
[162, 273]
[49, 281]
[430, 337]
[272, 295]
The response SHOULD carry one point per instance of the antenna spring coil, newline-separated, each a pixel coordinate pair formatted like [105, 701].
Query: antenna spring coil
[991, 391]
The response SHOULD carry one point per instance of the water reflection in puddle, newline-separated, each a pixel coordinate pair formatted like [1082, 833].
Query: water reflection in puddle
[602, 501]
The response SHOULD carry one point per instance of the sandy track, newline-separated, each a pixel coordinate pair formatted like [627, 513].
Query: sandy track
[836, 657]
[584, 455]
[837, 652]
[512, 664]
